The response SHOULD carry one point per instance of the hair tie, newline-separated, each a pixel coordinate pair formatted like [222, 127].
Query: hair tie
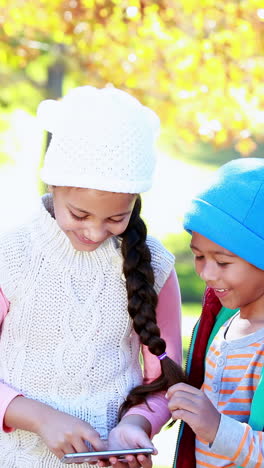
[162, 356]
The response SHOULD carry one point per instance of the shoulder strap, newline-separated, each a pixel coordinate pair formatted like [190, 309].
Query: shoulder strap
[223, 315]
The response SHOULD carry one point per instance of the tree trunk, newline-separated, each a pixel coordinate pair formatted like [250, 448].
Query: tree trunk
[54, 85]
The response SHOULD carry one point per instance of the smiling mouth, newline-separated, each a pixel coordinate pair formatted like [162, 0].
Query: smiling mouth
[220, 290]
[84, 240]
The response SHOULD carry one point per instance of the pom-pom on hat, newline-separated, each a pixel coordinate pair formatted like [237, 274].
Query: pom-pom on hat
[101, 139]
[230, 210]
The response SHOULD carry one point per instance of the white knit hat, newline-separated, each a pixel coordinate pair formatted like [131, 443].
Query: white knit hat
[101, 139]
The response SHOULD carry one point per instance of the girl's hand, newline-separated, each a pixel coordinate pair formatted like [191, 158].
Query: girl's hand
[63, 433]
[131, 432]
[192, 406]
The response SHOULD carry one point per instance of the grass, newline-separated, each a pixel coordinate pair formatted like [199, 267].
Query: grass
[189, 310]
[185, 347]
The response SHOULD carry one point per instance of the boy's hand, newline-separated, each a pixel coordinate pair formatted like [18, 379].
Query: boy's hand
[192, 406]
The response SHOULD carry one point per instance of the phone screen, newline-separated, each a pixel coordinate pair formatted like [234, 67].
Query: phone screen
[94, 456]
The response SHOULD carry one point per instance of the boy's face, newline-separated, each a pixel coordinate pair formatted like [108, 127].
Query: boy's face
[88, 217]
[236, 283]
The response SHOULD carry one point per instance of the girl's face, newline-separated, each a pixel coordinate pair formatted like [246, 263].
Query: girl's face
[236, 283]
[88, 217]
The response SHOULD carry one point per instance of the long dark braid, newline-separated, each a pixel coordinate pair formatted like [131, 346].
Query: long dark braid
[142, 303]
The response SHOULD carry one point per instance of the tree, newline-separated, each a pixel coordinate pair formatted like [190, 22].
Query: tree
[198, 64]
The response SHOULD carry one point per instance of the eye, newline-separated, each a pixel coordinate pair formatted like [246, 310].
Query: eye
[78, 218]
[222, 263]
[198, 257]
[116, 220]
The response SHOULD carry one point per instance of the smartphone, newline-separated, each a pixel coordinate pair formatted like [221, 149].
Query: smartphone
[104, 455]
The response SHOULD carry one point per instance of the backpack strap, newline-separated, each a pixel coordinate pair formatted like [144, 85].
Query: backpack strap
[223, 315]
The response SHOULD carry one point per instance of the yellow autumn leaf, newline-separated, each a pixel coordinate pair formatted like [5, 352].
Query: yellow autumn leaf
[245, 146]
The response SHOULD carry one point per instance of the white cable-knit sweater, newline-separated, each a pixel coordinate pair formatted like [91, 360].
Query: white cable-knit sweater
[67, 340]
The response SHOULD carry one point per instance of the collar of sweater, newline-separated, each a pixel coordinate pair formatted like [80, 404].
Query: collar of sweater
[47, 237]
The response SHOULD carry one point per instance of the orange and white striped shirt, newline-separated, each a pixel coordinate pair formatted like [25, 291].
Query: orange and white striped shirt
[232, 372]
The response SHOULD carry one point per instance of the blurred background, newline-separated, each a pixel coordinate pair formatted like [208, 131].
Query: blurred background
[199, 65]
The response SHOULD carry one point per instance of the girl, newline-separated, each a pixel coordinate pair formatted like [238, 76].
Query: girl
[227, 414]
[82, 288]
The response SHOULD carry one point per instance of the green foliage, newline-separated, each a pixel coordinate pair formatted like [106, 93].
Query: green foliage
[4, 158]
[191, 309]
[192, 287]
[4, 126]
[185, 347]
[204, 154]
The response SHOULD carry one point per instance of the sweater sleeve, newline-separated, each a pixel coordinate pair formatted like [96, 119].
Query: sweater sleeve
[239, 442]
[7, 394]
[169, 321]
[4, 305]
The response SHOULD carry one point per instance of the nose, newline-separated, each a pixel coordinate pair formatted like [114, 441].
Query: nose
[209, 271]
[95, 232]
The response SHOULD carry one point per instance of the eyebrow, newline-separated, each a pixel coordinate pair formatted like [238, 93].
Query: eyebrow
[88, 213]
[216, 252]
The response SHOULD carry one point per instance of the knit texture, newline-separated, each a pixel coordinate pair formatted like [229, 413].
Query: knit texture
[229, 210]
[67, 340]
[101, 139]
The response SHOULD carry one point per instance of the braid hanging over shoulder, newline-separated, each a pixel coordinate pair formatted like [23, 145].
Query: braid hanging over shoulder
[142, 303]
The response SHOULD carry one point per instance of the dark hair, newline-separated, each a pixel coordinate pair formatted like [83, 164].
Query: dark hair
[142, 303]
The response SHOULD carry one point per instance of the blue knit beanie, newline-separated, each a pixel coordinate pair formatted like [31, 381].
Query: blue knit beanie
[230, 210]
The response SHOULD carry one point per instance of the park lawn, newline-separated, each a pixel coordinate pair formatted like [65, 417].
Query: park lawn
[189, 310]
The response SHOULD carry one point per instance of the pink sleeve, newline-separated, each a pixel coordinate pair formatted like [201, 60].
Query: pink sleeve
[7, 394]
[169, 321]
[4, 305]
